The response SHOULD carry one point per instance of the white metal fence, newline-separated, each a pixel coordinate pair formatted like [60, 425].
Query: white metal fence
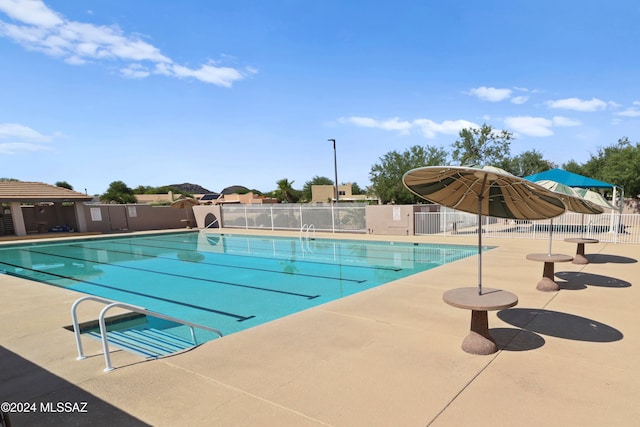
[606, 227]
[334, 218]
[351, 218]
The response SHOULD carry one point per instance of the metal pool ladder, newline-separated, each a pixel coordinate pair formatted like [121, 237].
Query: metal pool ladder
[103, 329]
[306, 229]
[305, 237]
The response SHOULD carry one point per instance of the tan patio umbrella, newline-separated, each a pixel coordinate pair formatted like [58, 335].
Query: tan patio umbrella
[185, 203]
[572, 200]
[485, 191]
[571, 197]
[594, 197]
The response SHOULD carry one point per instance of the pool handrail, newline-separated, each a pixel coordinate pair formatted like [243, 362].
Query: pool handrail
[103, 329]
[209, 225]
[305, 238]
[306, 228]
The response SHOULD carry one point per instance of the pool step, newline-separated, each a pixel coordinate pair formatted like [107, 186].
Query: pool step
[150, 343]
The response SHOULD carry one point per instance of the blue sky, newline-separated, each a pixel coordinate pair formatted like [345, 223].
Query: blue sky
[220, 93]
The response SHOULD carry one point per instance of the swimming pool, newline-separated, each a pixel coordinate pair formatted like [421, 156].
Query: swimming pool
[228, 282]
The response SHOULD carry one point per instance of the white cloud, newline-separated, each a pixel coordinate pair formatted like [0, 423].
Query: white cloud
[134, 71]
[23, 139]
[30, 12]
[427, 127]
[578, 104]
[393, 124]
[365, 122]
[16, 147]
[221, 76]
[430, 129]
[491, 94]
[17, 131]
[36, 27]
[538, 126]
[630, 112]
[519, 99]
[565, 121]
[532, 126]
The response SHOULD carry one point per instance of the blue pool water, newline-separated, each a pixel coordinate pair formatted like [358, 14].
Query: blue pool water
[228, 282]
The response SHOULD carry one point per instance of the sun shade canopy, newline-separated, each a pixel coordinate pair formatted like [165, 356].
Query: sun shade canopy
[500, 194]
[569, 178]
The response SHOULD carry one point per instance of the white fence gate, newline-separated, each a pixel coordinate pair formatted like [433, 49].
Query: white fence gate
[618, 228]
[333, 218]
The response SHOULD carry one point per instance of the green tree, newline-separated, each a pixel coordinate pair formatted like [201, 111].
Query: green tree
[285, 191]
[621, 166]
[482, 146]
[355, 189]
[574, 167]
[147, 189]
[144, 189]
[118, 192]
[618, 164]
[386, 176]
[316, 180]
[526, 164]
[63, 184]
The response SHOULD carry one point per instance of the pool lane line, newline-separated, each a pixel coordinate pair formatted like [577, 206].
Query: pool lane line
[284, 259]
[376, 246]
[316, 253]
[182, 276]
[396, 269]
[315, 276]
[61, 276]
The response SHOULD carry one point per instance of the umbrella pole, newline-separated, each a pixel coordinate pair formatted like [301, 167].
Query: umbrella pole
[550, 235]
[480, 245]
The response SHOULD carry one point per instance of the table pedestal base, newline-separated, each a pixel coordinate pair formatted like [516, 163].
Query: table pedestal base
[479, 302]
[479, 341]
[547, 284]
[579, 258]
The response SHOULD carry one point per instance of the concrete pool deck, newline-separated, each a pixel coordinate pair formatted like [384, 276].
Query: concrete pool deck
[389, 356]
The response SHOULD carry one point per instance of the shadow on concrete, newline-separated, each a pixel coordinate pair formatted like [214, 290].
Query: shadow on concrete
[560, 325]
[510, 339]
[578, 280]
[23, 381]
[613, 259]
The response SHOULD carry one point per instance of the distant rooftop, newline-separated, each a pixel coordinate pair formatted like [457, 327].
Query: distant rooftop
[20, 191]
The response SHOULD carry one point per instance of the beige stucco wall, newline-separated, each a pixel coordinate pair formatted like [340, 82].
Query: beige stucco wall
[396, 220]
[200, 212]
[326, 193]
[248, 199]
[109, 218]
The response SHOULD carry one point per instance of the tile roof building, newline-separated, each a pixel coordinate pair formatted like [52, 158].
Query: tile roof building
[46, 206]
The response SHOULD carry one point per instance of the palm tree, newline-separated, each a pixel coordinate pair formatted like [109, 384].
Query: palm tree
[285, 191]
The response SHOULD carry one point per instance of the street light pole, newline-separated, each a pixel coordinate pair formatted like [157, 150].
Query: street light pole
[335, 166]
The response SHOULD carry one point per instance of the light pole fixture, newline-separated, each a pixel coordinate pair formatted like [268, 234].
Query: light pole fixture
[335, 166]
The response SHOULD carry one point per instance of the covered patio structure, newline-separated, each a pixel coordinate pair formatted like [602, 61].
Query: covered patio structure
[35, 207]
